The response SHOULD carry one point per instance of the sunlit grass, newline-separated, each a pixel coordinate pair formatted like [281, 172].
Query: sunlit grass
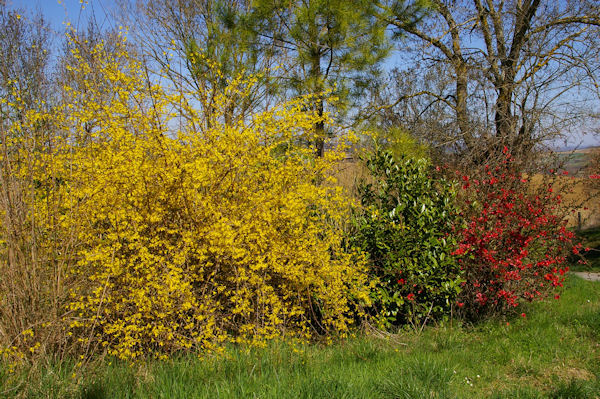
[552, 352]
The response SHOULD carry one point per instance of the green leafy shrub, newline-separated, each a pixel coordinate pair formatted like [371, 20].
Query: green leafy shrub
[405, 228]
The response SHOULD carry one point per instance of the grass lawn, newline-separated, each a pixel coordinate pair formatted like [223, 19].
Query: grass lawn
[553, 352]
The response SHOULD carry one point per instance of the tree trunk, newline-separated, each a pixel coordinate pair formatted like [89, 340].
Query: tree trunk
[315, 73]
[320, 129]
[317, 89]
[505, 127]
[462, 115]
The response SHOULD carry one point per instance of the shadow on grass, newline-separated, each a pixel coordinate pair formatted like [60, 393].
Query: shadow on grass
[424, 378]
[576, 389]
[590, 238]
[95, 390]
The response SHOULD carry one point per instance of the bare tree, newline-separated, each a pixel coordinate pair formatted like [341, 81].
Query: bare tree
[200, 47]
[516, 73]
[24, 41]
[32, 257]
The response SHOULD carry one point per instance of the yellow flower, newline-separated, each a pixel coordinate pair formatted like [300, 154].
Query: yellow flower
[192, 233]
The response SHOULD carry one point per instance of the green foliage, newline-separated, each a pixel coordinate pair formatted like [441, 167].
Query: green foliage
[405, 228]
[400, 143]
[591, 242]
[328, 41]
[230, 43]
[331, 49]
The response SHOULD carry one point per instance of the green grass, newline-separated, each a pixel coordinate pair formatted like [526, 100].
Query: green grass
[553, 352]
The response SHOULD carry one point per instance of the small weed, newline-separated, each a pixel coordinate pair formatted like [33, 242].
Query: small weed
[575, 389]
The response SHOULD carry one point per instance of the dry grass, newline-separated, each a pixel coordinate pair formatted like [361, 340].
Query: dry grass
[350, 173]
[581, 200]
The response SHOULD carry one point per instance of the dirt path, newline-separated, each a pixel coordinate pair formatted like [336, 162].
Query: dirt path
[588, 276]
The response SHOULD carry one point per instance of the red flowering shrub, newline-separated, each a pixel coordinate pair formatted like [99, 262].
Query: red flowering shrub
[514, 244]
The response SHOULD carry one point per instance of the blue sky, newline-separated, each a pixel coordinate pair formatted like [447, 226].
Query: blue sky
[59, 11]
[78, 12]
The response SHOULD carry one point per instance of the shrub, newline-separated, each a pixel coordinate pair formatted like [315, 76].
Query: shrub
[398, 141]
[515, 244]
[35, 250]
[405, 228]
[193, 233]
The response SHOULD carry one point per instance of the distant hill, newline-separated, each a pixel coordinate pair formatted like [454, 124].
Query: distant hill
[582, 147]
[577, 161]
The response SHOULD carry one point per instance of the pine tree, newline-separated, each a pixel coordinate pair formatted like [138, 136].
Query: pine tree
[326, 46]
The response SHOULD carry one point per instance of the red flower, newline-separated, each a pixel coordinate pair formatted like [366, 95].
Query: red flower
[410, 297]
[401, 281]
[460, 304]
[499, 238]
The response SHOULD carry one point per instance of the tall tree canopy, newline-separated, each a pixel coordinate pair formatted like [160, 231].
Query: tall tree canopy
[200, 47]
[514, 71]
[324, 45]
[24, 65]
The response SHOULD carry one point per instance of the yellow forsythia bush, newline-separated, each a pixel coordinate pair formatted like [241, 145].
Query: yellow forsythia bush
[193, 233]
